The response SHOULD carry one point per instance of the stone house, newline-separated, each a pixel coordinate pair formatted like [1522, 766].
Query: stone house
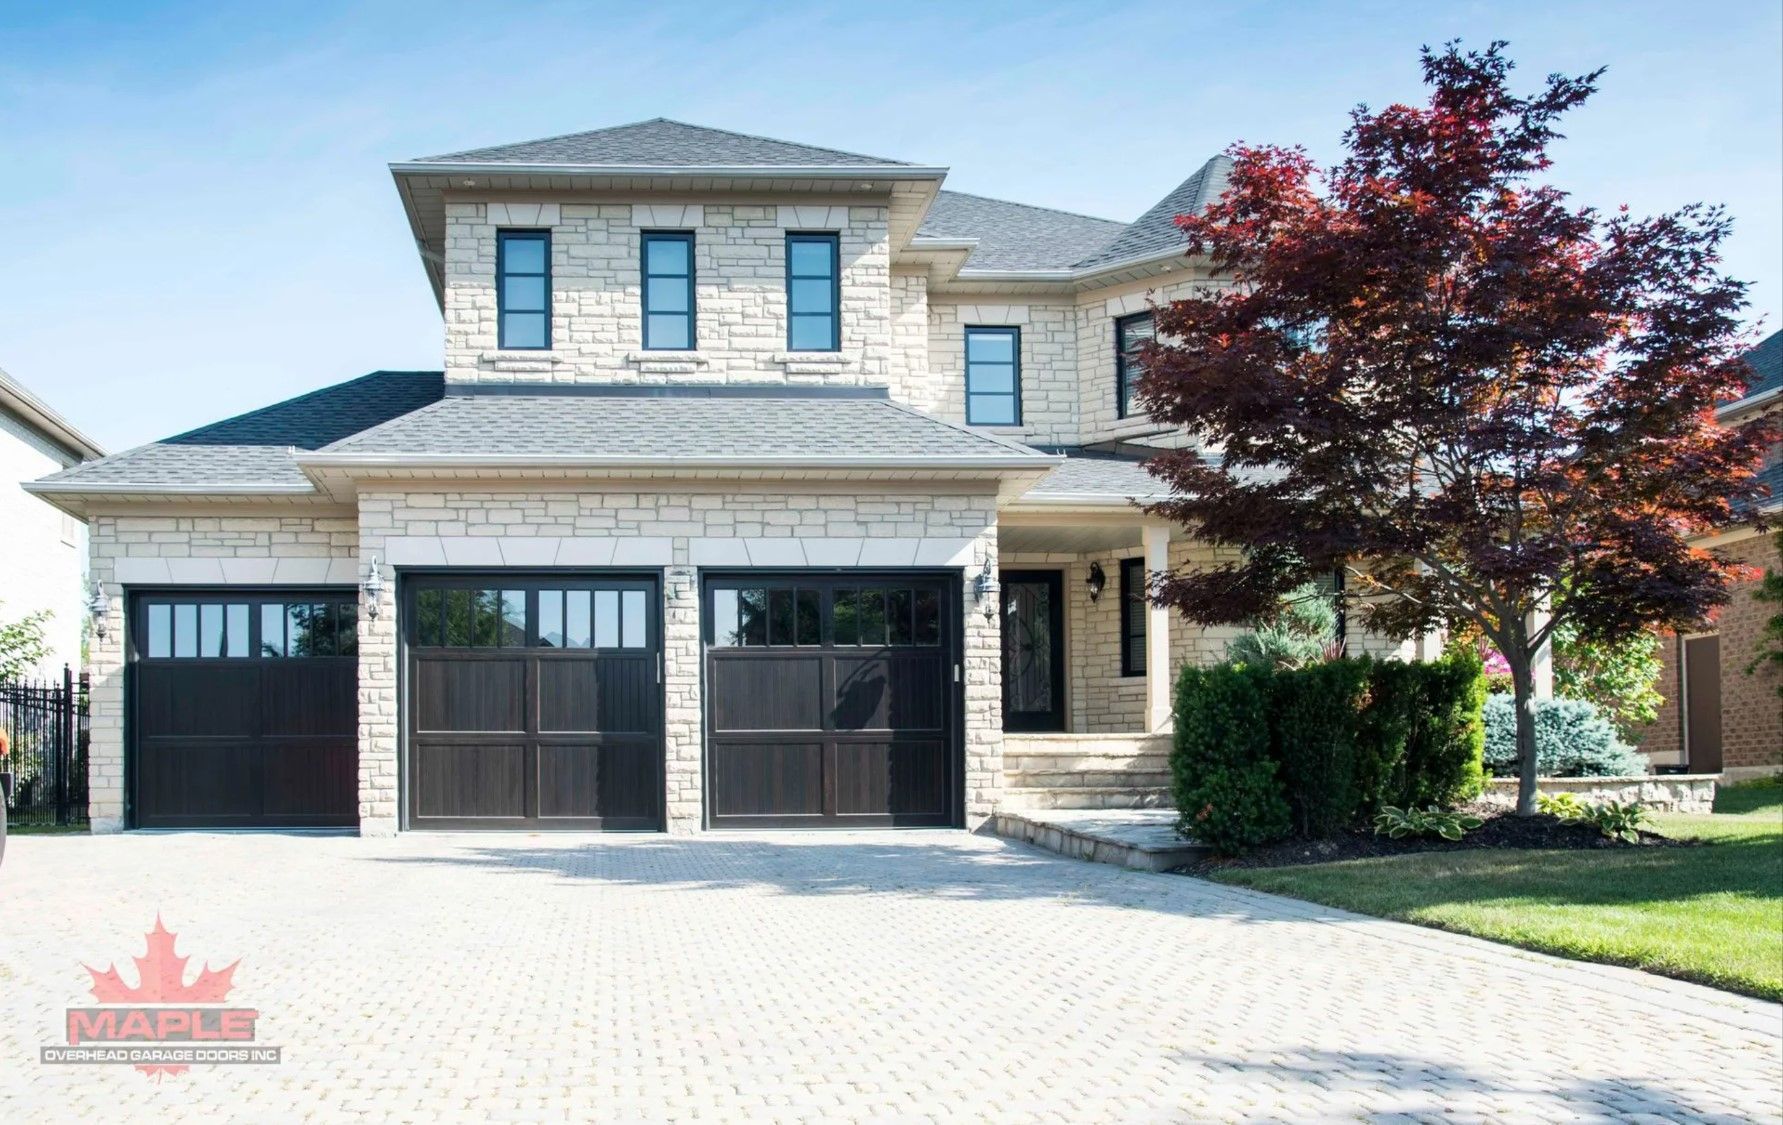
[43, 549]
[763, 485]
[1718, 717]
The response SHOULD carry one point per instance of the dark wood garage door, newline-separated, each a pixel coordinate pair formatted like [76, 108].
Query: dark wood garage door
[831, 700]
[533, 702]
[245, 710]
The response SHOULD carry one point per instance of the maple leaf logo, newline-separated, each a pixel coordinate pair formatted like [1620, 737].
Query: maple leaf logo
[161, 979]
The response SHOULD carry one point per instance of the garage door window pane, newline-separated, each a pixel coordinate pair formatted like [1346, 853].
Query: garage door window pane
[459, 631]
[872, 617]
[346, 629]
[429, 604]
[160, 631]
[928, 617]
[752, 616]
[635, 629]
[550, 618]
[810, 626]
[272, 630]
[576, 613]
[310, 629]
[606, 619]
[513, 618]
[487, 633]
[780, 617]
[845, 615]
[235, 630]
[897, 617]
[185, 630]
[724, 619]
[210, 629]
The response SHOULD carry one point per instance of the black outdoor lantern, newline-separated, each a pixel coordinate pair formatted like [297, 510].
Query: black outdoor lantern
[1097, 581]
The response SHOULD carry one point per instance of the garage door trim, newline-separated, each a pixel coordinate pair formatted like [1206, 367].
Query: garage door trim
[953, 646]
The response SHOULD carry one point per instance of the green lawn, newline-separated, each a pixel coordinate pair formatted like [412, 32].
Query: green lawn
[1712, 914]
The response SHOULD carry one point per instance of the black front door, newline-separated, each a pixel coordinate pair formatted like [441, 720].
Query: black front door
[832, 700]
[244, 709]
[1033, 651]
[533, 702]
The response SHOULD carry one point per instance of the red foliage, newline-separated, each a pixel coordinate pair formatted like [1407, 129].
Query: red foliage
[1476, 396]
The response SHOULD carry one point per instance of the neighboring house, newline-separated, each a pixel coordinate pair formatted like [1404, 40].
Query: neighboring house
[1717, 718]
[43, 550]
[765, 486]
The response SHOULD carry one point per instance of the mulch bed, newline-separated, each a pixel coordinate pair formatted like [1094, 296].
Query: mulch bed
[1501, 830]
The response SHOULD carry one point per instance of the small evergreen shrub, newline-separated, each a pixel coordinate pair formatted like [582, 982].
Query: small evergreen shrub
[1313, 713]
[1572, 739]
[1223, 775]
[1445, 745]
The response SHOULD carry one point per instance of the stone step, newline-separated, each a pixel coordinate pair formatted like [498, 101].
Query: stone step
[1086, 797]
[1143, 839]
[1072, 779]
[1085, 763]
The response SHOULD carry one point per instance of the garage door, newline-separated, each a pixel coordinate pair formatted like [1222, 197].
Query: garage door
[830, 700]
[533, 703]
[245, 710]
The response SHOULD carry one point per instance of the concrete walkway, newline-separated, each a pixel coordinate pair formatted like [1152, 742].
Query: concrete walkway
[870, 976]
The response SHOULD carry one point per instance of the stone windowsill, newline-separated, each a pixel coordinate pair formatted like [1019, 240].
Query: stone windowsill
[667, 362]
[522, 360]
[815, 363]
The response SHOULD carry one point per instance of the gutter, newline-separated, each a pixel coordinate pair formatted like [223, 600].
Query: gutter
[349, 460]
[125, 488]
[1084, 500]
[17, 398]
[735, 171]
[1083, 274]
[1753, 402]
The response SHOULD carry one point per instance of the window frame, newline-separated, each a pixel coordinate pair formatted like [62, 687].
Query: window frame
[685, 237]
[1014, 332]
[833, 240]
[1123, 404]
[1128, 606]
[502, 237]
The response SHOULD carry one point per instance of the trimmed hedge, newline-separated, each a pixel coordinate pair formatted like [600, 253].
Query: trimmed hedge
[1573, 738]
[1263, 754]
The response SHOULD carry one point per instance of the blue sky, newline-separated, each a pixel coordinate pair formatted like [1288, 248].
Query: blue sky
[196, 217]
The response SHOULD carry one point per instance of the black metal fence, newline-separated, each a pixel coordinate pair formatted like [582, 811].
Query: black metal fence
[46, 724]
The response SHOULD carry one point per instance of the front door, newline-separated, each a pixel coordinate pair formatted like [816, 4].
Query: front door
[1702, 704]
[1033, 651]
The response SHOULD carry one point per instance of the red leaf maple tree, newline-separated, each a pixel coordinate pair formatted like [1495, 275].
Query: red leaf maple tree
[161, 979]
[1486, 405]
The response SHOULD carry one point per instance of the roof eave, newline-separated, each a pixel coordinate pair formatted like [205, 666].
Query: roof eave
[1072, 274]
[1034, 462]
[733, 171]
[1749, 403]
[18, 399]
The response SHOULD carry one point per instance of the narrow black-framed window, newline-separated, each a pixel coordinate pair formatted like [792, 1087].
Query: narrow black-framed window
[668, 290]
[523, 289]
[993, 376]
[813, 293]
[1133, 617]
[1131, 333]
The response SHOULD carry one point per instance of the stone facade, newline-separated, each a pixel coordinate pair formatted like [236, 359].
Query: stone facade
[677, 532]
[261, 549]
[1751, 709]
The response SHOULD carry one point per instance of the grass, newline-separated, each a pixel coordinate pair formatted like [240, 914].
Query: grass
[1711, 914]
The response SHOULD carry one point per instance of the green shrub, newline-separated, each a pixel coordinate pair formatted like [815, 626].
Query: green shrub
[1223, 774]
[1444, 753]
[1313, 727]
[1397, 823]
[1566, 806]
[1572, 739]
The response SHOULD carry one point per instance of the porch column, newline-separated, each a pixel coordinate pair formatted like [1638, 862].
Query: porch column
[1157, 634]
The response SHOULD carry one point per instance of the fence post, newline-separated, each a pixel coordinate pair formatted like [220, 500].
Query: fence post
[65, 745]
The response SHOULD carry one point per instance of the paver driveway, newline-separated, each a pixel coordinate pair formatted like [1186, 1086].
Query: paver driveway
[824, 977]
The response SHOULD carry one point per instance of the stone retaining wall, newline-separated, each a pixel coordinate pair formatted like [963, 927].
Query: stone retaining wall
[1682, 792]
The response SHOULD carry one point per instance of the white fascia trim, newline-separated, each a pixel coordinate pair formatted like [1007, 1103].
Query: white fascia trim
[1069, 274]
[1740, 406]
[122, 488]
[1084, 500]
[950, 244]
[1033, 461]
[734, 171]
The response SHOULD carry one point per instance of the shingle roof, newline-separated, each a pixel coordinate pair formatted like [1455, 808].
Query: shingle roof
[1098, 476]
[660, 141]
[255, 448]
[680, 425]
[1016, 236]
[1766, 361]
[1155, 231]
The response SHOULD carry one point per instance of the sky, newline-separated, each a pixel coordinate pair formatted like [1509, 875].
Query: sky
[196, 217]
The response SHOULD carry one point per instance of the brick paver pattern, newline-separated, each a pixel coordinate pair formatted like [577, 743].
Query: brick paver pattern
[860, 976]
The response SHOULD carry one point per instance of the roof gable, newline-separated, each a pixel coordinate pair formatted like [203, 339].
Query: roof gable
[1155, 232]
[665, 143]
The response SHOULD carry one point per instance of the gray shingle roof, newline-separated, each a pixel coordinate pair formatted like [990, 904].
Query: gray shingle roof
[660, 141]
[1155, 231]
[1016, 236]
[255, 448]
[1766, 361]
[1090, 475]
[673, 426]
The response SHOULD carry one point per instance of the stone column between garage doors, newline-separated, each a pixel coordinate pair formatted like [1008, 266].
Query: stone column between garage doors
[676, 534]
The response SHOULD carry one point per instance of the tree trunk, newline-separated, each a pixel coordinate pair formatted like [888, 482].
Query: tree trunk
[1523, 686]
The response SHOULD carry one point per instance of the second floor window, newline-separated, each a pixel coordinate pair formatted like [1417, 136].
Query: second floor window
[1133, 606]
[668, 290]
[523, 288]
[813, 292]
[1130, 334]
[993, 377]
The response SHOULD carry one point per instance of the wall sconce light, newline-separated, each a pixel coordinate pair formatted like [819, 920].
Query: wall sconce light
[986, 588]
[373, 588]
[1097, 581]
[99, 606]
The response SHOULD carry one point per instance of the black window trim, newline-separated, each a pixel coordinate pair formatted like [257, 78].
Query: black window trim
[644, 275]
[1128, 606]
[833, 240]
[136, 642]
[1015, 333]
[502, 237]
[1122, 405]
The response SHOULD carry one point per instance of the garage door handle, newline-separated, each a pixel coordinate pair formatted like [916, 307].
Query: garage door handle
[659, 668]
[956, 673]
